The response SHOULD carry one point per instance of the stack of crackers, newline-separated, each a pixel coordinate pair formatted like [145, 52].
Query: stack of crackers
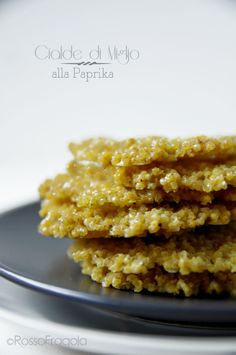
[151, 213]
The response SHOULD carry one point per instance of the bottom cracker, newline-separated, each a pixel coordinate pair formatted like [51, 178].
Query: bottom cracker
[160, 281]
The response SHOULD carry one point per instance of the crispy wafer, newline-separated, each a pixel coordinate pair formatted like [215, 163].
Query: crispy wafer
[151, 213]
[93, 195]
[210, 249]
[198, 176]
[92, 186]
[157, 280]
[146, 150]
[66, 219]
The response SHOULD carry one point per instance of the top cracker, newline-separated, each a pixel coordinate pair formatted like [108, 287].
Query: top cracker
[146, 150]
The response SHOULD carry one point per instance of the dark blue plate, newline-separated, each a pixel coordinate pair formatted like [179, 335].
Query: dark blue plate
[41, 263]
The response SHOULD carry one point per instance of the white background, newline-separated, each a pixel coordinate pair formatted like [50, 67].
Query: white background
[184, 82]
